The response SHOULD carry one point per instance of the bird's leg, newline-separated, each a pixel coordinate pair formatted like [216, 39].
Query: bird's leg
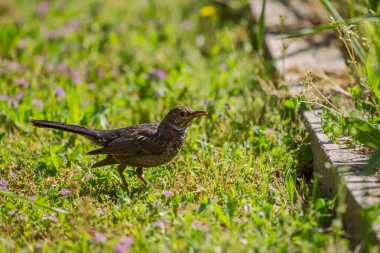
[139, 173]
[120, 169]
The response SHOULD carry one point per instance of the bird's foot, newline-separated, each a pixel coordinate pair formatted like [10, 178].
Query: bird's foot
[139, 173]
[120, 169]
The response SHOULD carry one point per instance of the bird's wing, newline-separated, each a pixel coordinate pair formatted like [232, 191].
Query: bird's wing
[134, 141]
[107, 136]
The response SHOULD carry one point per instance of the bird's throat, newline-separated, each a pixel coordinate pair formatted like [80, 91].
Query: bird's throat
[178, 129]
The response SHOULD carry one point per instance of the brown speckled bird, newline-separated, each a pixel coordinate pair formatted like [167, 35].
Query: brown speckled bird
[140, 146]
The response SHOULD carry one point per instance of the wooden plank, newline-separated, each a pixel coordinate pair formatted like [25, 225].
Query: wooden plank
[337, 163]
[294, 57]
[319, 53]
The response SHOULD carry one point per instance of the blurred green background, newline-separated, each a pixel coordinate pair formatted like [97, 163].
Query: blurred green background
[239, 183]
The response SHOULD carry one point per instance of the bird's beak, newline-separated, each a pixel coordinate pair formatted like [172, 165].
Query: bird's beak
[199, 113]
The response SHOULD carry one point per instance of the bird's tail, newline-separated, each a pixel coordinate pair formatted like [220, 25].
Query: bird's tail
[87, 132]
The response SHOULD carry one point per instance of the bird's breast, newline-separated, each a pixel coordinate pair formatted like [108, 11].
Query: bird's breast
[179, 141]
[172, 149]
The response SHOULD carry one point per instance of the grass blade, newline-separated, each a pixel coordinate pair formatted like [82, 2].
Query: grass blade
[260, 34]
[25, 199]
[324, 27]
[334, 13]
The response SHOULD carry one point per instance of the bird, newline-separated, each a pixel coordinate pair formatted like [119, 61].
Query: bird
[139, 146]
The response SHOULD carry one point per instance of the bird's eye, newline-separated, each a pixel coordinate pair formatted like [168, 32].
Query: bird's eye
[181, 114]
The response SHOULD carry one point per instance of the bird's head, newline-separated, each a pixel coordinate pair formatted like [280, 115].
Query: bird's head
[179, 118]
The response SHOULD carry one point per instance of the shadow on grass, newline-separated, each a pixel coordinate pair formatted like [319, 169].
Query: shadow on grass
[102, 188]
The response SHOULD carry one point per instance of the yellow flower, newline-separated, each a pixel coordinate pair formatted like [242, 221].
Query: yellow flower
[208, 10]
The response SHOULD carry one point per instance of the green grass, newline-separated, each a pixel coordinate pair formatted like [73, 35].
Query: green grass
[237, 184]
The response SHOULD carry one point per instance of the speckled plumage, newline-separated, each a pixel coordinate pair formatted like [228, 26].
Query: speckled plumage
[141, 146]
